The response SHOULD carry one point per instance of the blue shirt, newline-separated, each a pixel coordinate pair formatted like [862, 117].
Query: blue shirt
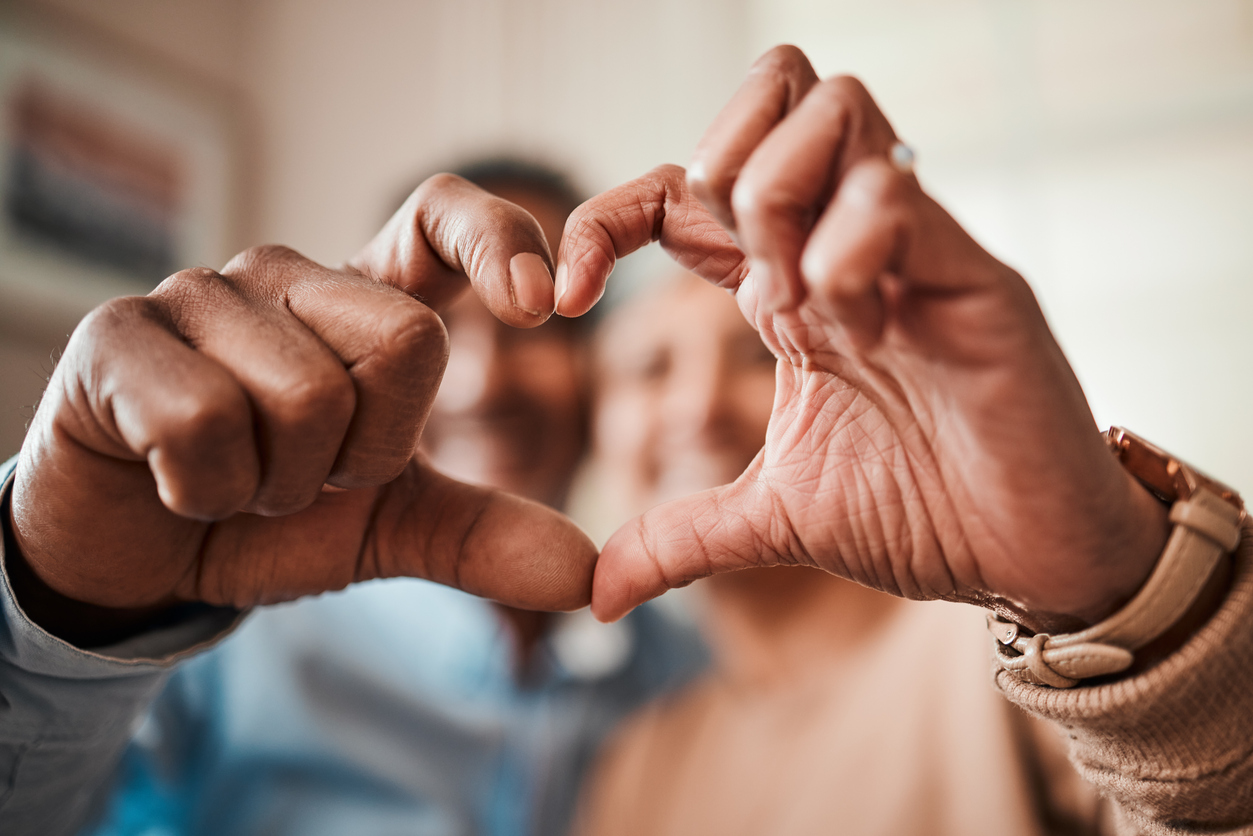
[391, 707]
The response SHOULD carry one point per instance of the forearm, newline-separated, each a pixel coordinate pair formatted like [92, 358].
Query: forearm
[1173, 744]
[67, 713]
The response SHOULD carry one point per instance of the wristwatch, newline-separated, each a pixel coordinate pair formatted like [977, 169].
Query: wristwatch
[1207, 517]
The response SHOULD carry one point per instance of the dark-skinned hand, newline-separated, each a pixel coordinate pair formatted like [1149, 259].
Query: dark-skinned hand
[928, 437]
[250, 436]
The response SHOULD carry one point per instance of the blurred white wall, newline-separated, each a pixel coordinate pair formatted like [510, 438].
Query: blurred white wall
[357, 99]
[190, 44]
[208, 38]
[1102, 147]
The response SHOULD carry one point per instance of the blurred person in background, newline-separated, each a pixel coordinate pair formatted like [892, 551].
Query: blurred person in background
[403, 706]
[928, 439]
[831, 708]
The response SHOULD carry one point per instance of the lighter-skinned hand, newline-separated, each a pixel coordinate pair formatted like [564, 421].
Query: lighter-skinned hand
[250, 436]
[928, 437]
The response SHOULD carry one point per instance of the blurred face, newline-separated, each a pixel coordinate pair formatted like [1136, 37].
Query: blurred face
[685, 390]
[511, 410]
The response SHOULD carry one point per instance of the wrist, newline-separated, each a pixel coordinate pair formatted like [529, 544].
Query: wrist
[1136, 536]
[1185, 587]
[79, 623]
[1108, 565]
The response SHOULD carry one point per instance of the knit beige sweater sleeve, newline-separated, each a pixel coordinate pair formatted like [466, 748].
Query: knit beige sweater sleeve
[1172, 746]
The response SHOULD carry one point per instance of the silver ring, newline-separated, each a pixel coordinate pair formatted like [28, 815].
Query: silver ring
[902, 157]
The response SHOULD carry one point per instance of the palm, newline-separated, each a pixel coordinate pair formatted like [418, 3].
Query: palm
[849, 483]
[858, 459]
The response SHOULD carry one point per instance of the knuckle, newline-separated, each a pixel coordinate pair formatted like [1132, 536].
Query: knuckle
[875, 185]
[862, 112]
[667, 178]
[499, 214]
[756, 201]
[787, 70]
[260, 261]
[438, 183]
[109, 325]
[836, 97]
[580, 221]
[316, 397]
[580, 225]
[785, 60]
[208, 414]
[745, 200]
[262, 254]
[667, 173]
[850, 88]
[189, 284]
[710, 178]
[115, 314]
[192, 277]
[409, 332]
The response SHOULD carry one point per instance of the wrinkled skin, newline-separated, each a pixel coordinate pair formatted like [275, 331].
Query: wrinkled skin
[928, 437]
[251, 436]
[684, 394]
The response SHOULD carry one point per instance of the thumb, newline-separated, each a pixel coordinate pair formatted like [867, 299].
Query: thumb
[450, 230]
[422, 524]
[656, 207]
[486, 542]
[708, 533]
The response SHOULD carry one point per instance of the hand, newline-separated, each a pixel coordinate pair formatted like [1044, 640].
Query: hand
[251, 436]
[928, 437]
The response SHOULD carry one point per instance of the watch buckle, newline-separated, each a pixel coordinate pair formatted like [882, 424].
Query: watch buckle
[1169, 479]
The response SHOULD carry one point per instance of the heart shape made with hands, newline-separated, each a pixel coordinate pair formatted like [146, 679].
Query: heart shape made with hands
[928, 437]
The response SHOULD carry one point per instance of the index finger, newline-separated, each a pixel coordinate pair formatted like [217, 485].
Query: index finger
[776, 84]
[656, 207]
[449, 230]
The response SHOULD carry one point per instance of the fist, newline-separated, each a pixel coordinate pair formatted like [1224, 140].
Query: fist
[250, 435]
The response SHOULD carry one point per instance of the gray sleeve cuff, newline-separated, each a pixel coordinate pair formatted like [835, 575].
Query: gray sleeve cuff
[29, 647]
[66, 713]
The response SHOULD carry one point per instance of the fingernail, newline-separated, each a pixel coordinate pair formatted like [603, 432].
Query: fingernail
[560, 283]
[532, 286]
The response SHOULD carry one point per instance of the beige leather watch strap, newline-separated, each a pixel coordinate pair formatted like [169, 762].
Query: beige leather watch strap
[1206, 516]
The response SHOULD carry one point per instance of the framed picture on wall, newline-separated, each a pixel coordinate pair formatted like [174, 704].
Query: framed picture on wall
[113, 174]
